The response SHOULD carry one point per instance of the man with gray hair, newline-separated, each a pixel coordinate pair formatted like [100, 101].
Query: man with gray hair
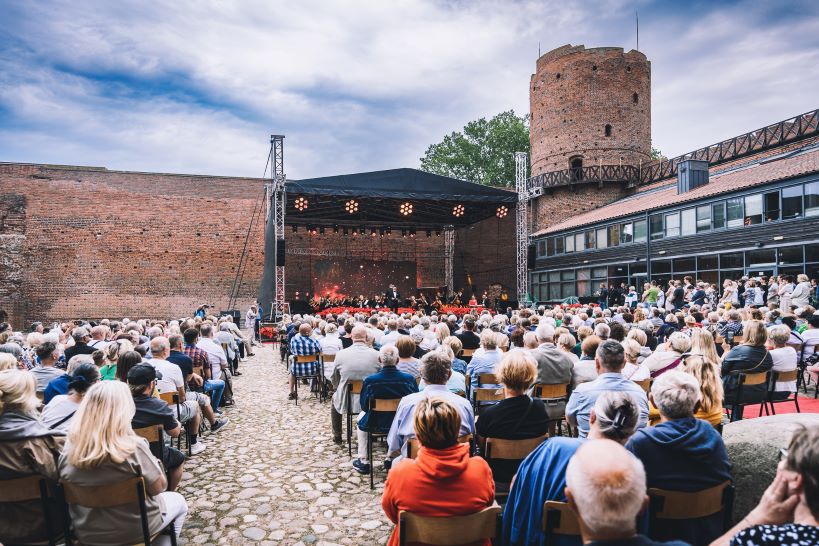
[606, 488]
[355, 363]
[609, 361]
[682, 453]
[554, 367]
[391, 334]
[389, 383]
[81, 337]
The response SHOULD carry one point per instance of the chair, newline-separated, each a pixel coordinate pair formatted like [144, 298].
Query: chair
[486, 394]
[497, 449]
[747, 379]
[553, 393]
[156, 442]
[318, 376]
[783, 377]
[34, 488]
[232, 362]
[645, 384]
[559, 519]
[682, 505]
[467, 352]
[449, 530]
[353, 387]
[413, 445]
[172, 399]
[130, 491]
[378, 405]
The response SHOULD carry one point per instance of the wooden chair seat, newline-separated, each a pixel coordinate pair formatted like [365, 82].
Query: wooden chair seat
[514, 450]
[450, 530]
[559, 519]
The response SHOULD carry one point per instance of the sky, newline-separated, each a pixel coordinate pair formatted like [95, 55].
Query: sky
[198, 86]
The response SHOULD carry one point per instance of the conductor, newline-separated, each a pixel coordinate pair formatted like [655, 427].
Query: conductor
[392, 296]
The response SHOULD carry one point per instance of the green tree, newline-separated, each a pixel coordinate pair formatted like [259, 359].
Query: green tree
[656, 154]
[483, 153]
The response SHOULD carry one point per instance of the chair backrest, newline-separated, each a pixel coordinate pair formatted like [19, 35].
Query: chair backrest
[385, 404]
[784, 376]
[487, 379]
[679, 505]
[306, 358]
[559, 519]
[152, 433]
[105, 496]
[450, 530]
[485, 395]
[354, 386]
[467, 352]
[550, 392]
[22, 489]
[225, 347]
[461, 394]
[515, 450]
[198, 370]
[414, 445]
[645, 384]
[753, 378]
[328, 358]
[170, 398]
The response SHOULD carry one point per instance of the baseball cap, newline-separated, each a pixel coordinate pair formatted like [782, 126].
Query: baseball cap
[143, 374]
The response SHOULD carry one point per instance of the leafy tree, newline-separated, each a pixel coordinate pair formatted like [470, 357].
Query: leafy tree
[656, 154]
[483, 153]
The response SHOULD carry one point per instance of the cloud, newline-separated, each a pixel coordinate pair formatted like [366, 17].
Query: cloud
[198, 87]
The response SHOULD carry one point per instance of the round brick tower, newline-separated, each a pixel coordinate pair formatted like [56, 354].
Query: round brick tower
[590, 106]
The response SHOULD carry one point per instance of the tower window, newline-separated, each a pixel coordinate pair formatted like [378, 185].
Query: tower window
[635, 98]
[594, 67]
[576, 167]
[558, 76]
[608, 130]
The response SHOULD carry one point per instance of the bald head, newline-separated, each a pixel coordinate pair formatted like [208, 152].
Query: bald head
[160, 347]
[359, 334]
[607, 487]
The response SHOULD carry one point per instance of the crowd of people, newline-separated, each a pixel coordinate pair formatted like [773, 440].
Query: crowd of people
[74, 397]
[647, 389]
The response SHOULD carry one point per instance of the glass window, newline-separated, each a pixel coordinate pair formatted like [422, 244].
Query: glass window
[812, 253]
[578, 241]
[544, 277]
[790, 255]
[599, 272]
[626, 233]
[718, 214]
[660, 267]
[703, 218]
[614, 234]
[541, 248]
[569, 243]
[634, 269]
[791, 202]
[601, 238]
[583, 290]
[688, 222]
[684, 264]
[583, 274]
[617, 271]
[554, 291]
[812, 199]
[731, 260]
[589, 239]
[760, 257]
[567, 290]
[640, 231]
[550, 246]
[734, 215]
[708, 262]
[672, 224]
[567, 275]
[753, 209]
[772, 206]
[554, 276]
[656, 221]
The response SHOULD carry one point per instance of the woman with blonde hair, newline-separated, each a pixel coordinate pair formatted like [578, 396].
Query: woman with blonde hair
[707, 373]
[102, 449]
[27, 447]
[702, 343]
[634, 370]
[8, 362]
[442, 332]
[108, 371]
[751, 356]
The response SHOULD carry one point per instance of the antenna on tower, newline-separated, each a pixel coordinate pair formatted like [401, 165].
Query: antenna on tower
[637, 18]
[538, 50]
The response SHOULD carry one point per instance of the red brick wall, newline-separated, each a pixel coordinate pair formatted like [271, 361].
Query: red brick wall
[558, 204]
[574, 93]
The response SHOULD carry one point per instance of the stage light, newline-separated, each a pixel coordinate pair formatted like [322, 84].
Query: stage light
[300, 203]
[361, 231]
[295, 229]
[389, 230]
[351, 206]
[412, 233]
[458, 211]
[429, 233]
[406, 209]
[355, 232]
[373, 232]
[321, 230]
[381, 231]
[437, 232]
[335, 229]
[403, 233]
[346, 232]
[502, 211]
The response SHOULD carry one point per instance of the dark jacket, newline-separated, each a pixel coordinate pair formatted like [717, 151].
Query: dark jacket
[749, 359]
[78, 349]
[389, 383]
[683, 455]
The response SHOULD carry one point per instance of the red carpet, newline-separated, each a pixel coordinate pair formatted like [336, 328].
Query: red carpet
[806, 405]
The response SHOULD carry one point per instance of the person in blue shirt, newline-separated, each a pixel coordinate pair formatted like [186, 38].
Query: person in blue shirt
[389, 383]
[609, 360]
[541, 476]
[485, 359]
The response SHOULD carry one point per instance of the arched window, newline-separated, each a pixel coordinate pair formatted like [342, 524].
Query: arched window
[608, 130]
[635, 98]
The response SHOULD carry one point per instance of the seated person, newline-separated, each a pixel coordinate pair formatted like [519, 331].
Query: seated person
[707, 375]
[668, 355]
[518, 416]
[59, 412]
[606, 488]
[542, 475]
[102, 449]
[407, 362]
[784, 359]
[789, 510]
[154, 411]
[27, 447]
[48, 354]
[388, 383]
[682, 453]
[436, 370]
[584, 369]
[59, 385]
[443, 480]
[634, 370]
[458, 365]
[457, 381]
[749, 357]
[486, 360]
[302, 345]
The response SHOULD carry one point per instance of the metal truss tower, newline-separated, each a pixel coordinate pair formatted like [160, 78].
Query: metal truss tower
[449, 257]
[522, 225]
[272, 288]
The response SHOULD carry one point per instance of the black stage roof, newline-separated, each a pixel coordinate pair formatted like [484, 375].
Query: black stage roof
[379, 196]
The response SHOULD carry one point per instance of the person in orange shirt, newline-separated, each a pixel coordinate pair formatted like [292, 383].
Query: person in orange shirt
[443, 480]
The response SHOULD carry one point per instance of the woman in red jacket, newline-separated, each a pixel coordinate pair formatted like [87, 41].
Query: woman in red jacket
[442, 480]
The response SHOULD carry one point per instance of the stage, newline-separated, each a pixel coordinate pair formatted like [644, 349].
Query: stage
[444, 310]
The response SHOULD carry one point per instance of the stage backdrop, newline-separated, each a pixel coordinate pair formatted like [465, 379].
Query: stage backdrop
[351, 277]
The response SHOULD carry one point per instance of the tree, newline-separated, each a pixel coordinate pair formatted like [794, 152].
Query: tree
[483, 153]
[656, 154]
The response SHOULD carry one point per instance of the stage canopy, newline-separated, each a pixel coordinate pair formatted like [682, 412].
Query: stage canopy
[393, 198]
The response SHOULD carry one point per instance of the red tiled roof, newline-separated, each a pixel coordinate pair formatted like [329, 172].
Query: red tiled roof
[771, 170]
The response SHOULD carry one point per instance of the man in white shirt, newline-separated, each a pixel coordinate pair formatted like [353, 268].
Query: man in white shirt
[217, 359]
[98, 338]
[391, 335]
[354, 363]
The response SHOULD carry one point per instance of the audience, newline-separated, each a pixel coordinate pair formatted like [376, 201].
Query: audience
[554, 367]
[751, 356]
[355, 363]
[58, 413]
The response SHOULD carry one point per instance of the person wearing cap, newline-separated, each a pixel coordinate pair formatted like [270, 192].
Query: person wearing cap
[151, 411]
[81, 337]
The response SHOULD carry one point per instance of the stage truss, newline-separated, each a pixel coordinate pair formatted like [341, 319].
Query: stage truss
[522, 226]
[277, 203]
[449, 257]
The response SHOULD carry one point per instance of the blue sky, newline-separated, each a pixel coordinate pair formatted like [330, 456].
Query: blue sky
[198, 86]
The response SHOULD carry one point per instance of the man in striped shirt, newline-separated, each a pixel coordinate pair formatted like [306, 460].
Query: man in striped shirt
[302, 345]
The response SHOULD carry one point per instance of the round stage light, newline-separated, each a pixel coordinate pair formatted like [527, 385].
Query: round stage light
[300, 203]
[351, 206]
[502, 211]
[406, 209]
[458, 211]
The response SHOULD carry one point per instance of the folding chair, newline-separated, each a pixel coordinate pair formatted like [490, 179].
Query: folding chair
[318, 376]
[559, 519]
[353, 387]
[486, 394]
[682, 505]
[156, 442]
[550, 394]
[747, 379]
[35, 488]
[325, 359]
[232, 362]
[413, 445]
[172, 399]
[450, 530]
[378, 405]
[782, 377]
[645, 384]
[497, 449]
[130, 491]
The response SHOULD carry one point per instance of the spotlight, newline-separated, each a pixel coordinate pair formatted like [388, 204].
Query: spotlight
[429, 233]
[458, 211]
[346, 232]
[351, 206]
[355, 232]
[300, 203]
[502, 211]
[295, 229]
[405, 209]
[389, 230]
[412, 233]
[335, 228]
[403, 233]
[321, 230]
[437, 232]
[373, 233]
[361, 231]
[381, 231]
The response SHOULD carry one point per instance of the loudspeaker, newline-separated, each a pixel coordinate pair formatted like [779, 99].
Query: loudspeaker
[530, 256]
[279, 252]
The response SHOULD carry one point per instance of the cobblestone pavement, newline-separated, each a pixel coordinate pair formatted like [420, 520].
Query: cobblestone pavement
[274, 476]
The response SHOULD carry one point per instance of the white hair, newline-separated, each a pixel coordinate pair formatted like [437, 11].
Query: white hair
[545, 333]
[679, 342]
[676, 394]
[388, 355]
[602, 331]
